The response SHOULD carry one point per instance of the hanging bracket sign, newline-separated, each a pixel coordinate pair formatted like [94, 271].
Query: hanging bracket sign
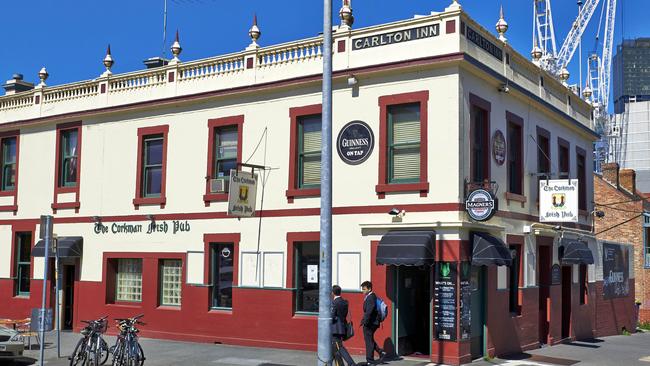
[242, 194]
[481, 205]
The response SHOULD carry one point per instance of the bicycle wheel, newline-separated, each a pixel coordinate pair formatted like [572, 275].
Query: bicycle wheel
[78, 356]
[338, 360]
[104, 351]
[96, 351]
[141, 357]
[118, 354]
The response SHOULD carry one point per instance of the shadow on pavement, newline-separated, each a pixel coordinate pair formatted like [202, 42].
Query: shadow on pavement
[539, 358]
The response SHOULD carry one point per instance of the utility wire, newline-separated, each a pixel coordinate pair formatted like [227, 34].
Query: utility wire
[619, 224]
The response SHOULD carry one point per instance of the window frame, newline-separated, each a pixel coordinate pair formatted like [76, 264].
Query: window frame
[295, 239]
[392, 146]
[213, 125]
[17, 264]
[293, 191]
[58, 164]
[541, 132]
[581, 175]
[301, 155]
[116, 274]
[476, 102]
[516, 242]
[512, 120]
[563, 144]
[13, 192]
[208, 240]
[646, 239]
[140, 199]
[161, 282]
[384, 186]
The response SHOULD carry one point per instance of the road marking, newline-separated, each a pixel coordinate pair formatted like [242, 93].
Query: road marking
[645, 359]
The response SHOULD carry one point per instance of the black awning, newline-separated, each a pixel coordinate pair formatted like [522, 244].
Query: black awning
[407, 248]
[489, 250]
[575, 252]
[68, 246]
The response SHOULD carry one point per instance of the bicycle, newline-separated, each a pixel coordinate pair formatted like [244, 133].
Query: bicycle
[92, 349]
[127, 351]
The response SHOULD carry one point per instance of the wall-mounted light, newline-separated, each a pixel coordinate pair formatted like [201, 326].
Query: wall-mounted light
[352, 80]
[397, 214]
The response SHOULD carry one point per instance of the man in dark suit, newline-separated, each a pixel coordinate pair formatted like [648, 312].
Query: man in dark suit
[370, 323]
[339, 325]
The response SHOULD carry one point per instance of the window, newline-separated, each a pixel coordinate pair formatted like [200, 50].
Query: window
[68, 158]
[515, 155]
[543, 156]
[170, 282]
[646, 239]
[304, 152]
[514, 279]
[563, 159]
[306, 259]
[224, 152]
[23, 256]
[403, 120]
[222, 258]
[583, 284]
[9, 153]
[309, 148]
[480, 139]
[581, 166]
[152, 165]
[404, 143]
[129, 280]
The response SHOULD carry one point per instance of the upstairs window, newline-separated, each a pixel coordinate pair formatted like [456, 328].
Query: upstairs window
[68, 158]
[225, 151]
[309, 151]
[9, 145]
[152, 166]
[582, 179]
[515, 156]
[479, 139]
[543, 156]
[563, 159]
[404, 143]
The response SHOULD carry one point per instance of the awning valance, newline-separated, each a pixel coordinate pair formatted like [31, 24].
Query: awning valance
[407, 248]
[489, 250]
[575, 252]
[68, 246]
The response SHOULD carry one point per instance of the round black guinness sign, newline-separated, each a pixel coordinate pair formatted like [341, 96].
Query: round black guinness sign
[355, 142]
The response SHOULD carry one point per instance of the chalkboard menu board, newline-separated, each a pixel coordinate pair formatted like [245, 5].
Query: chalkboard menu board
[616, 272]
[556, 274]
[445, 289]
[465, 301]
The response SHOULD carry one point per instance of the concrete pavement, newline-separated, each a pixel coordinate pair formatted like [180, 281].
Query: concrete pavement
[608, 351]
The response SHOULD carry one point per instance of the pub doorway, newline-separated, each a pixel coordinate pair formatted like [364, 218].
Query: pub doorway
[413, 311]
[544, 269]
[67, 319]
[477, 301]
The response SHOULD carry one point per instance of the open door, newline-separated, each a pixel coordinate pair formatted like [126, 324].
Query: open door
[413, 321]
[477, 285]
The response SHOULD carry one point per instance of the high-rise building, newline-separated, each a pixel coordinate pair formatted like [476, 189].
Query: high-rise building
[631, 72]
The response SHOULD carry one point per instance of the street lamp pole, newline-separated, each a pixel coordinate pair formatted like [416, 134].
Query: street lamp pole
[325, 273]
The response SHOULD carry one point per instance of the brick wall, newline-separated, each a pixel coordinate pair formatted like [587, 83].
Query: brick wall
[620, 209]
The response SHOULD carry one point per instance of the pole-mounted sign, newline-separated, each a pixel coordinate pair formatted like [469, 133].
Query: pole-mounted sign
[242, 193]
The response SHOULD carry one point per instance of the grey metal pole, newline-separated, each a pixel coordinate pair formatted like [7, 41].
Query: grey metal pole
[57, 275]
[46, 222]
[325, 273]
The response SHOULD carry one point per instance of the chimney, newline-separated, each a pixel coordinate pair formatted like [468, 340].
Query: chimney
[610, 173]
[153, 62]
[17, 85]
[627, 180]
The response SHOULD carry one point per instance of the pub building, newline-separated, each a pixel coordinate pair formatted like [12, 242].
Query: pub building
[442, 131]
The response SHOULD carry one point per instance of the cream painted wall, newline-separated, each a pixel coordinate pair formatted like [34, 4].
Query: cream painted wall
[5, 251]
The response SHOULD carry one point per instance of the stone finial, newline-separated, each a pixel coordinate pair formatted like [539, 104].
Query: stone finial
[43, 75]
[176, 48]
[564, 75]
[108, 61]
[536, 53]
[453, 6]
[347, 19]
[254, 32]
[587, 92]
[502, 26]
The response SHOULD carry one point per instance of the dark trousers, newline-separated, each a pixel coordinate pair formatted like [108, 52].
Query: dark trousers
[337, 340]
[371, 345]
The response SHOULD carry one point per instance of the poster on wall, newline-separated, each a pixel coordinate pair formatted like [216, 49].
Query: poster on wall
[616, 271]
[445, 289]
[558, 200]
[465, 301]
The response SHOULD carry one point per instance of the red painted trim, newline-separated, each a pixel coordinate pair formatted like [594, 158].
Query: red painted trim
[562, 143]
[385, 101]
[293, 239]
[14, 192]
[517, 121]
[57, 166]
[476, 101]
[257, 88]
[341, 45]
[234, 238]
[249, 62]
[162, 200]
[292, 188]
[213, 124]
[450, 26]
[170, 77]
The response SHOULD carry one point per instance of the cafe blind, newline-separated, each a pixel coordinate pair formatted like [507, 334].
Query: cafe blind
[404, 142]
[310, 150]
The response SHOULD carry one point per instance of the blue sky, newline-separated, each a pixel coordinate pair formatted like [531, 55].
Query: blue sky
[69, 37]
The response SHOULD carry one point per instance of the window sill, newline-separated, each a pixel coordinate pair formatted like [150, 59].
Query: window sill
[7, 193]
[382, 189]
[214, 197]
[305, 314]
[66, 205]
[65, 190]
[305, 192]
[221, 311]
[9, 208]
[169, 307]
[140, 201]
[123, 304]
[516, 197]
